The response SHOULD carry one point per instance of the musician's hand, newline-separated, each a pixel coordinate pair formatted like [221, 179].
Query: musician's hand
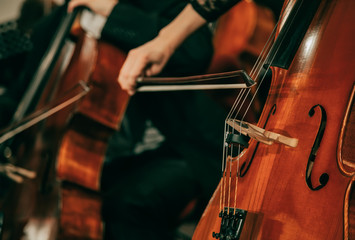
[146, 60]
[102, 7]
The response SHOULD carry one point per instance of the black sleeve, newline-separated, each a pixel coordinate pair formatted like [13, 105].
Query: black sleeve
[129, 27]
[212, 9]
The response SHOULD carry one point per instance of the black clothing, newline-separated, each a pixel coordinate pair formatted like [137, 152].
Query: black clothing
[143, 195]
[211, 10]
[147, 196]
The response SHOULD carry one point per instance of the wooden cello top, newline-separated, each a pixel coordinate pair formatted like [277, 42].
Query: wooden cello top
[301, 192]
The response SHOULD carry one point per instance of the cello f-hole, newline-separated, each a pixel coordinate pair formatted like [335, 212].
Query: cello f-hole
[323, 179]
[242, 173]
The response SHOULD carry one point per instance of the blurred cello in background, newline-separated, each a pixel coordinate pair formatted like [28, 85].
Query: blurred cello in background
[298, 183]
[84, 143]
[31, 208]
[31, 142]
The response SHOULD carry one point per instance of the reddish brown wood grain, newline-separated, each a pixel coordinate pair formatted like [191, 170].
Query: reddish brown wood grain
[274, 188]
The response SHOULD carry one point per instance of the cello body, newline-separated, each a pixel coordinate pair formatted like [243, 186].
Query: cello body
[67, 211]
[31, 205]
[83, 147]
[305, 192]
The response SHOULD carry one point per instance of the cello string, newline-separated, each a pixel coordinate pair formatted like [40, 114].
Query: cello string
[236, 179]
[225, 155]
[259, 63]
[266, 58]
[255, 72]
[262, 58]
[243, 94]
[239, 102]
[228, 129]
[257, 66]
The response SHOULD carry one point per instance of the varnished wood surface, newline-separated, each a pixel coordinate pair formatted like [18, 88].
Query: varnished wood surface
[274, 188]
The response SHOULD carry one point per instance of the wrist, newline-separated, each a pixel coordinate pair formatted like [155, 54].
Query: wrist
[169, 40]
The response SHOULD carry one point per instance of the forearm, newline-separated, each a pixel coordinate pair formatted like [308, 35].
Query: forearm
[194, 15]
[211, 10]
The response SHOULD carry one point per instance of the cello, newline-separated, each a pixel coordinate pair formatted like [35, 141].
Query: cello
[295, 177]
[84, 65]
[29, 144]
[84, 142]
